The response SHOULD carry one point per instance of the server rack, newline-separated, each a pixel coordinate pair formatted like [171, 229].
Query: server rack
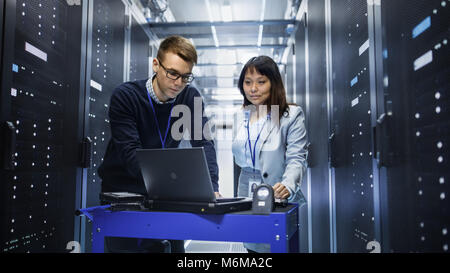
[105, 72]
[119, 52]
[413, 137]
[61, 61]
[351, 124]
[389, 125]
[41, 68]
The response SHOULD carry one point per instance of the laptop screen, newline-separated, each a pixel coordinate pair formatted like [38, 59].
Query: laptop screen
[176, 174]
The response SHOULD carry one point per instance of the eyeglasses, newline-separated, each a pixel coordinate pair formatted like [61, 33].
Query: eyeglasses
[174, 75]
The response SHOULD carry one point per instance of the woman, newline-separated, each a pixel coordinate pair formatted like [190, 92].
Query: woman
[269, 137]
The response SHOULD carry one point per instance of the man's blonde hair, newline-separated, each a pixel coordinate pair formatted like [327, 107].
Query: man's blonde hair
[180, 46]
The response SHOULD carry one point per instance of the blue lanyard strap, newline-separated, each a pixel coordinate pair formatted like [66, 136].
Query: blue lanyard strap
[253, 154]
[163, 141]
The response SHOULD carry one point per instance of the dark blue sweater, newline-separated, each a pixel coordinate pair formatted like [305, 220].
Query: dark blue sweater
[133, 126]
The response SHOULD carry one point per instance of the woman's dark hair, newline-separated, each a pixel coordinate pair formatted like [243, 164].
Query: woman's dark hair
[265, 65]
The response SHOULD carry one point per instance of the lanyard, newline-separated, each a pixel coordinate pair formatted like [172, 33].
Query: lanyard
[163, 142]
[253, 155]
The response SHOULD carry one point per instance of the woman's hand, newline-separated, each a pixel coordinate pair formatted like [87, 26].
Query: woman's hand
[280, 191]
[218, 195]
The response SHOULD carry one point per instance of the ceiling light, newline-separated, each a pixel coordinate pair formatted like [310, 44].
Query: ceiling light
[227, 15]
[261, 27]
[226, 91]
[260, 33]
[213, 28]
[227, 97]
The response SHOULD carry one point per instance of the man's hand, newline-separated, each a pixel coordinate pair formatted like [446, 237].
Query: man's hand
[280, 191]
[218, 195]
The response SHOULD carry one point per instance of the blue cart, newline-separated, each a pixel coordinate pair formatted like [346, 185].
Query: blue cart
[279, 229]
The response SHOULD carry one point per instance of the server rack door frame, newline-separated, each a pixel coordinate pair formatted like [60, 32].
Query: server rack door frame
[300, 99]
[81, 108]
[378, 109]
[316, 113]
[331, 136]
[5, 105]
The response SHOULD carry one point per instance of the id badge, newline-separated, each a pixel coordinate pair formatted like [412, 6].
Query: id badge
[252, 184]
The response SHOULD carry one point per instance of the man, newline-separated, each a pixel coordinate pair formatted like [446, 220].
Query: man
[140, 117]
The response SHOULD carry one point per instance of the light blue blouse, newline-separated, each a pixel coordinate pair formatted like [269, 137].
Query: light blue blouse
[243, 154]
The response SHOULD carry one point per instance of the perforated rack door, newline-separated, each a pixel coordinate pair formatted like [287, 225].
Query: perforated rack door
[351, 124]
[41, 84]
[416, 54]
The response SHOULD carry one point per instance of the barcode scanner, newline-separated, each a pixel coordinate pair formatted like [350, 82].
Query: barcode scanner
[263, 199]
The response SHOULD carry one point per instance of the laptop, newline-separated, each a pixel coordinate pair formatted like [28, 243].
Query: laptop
[178, 179]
